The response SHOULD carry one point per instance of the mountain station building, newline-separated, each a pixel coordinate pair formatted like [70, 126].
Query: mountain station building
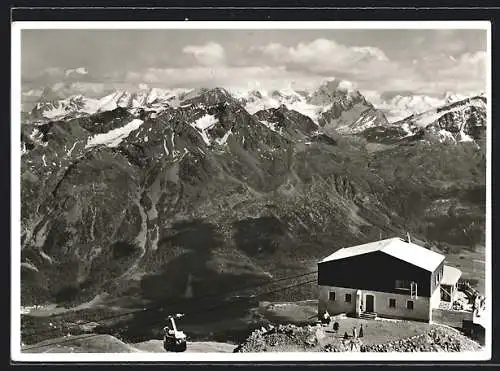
[391, 278]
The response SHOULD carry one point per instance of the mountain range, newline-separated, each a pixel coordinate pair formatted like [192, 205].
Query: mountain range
[335, 105]
[161, 194]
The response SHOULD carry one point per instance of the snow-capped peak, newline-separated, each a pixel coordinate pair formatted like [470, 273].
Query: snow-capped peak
[450, 97]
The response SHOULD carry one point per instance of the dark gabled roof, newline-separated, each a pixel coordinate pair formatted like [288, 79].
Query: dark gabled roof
[396, 247]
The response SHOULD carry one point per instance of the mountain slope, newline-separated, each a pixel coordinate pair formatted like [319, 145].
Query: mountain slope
[113, 204]
[144, 206]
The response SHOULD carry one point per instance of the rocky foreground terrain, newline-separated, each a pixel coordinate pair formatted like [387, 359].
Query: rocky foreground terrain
[290, 338]
[279, 338]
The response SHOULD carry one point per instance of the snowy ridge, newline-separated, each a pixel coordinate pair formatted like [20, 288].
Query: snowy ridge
[114, 137]
[400, 106]
[254, 101]
[311, 103]
[428, 117]
[146, 98]
[74, 104]
[335, 102]
[453, 122]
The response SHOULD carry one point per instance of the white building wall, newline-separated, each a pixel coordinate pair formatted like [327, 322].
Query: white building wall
[436, 297]
[338, 305]
[421, 305]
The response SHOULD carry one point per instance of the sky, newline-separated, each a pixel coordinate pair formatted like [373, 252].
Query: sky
[381, 62]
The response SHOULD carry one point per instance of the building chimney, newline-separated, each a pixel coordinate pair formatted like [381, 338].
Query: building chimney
[408, 239]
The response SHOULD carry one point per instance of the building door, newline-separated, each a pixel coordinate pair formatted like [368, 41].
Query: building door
[369, 307]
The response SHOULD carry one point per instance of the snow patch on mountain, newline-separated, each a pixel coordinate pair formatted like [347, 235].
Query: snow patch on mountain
[72, 148]
[37, 136]
[222, 141]
[165, 147]
[203, 124]
[364, 122]
[114, 137]
[269, 125]
[464, 137]
[406, 127]
[446, 136]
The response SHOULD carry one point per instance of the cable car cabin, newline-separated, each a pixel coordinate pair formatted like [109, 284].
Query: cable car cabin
[390, 278]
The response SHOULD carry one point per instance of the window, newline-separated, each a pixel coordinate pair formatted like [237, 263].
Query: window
[403, 285]
[348, 298]
[409, 304]
[332, 296]
[392, 303]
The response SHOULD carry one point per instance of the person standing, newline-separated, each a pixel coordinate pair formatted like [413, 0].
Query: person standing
[326, 318]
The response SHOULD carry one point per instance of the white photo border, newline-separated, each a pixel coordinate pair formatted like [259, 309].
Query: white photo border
[17, 355]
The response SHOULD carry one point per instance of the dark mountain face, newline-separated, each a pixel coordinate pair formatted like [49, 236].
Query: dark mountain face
[147, 206]
[289, 123]
[347, 111]
[332, 91]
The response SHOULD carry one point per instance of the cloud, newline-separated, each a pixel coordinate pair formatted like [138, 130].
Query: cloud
[441, 41]
[90, 89]
[441, 69]
[228, 76]
[79, 70]
[52, 71]
[325, 56]
[210, 54]
[464, 74]
[275, 65]
[32, 93]
[52, 75]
